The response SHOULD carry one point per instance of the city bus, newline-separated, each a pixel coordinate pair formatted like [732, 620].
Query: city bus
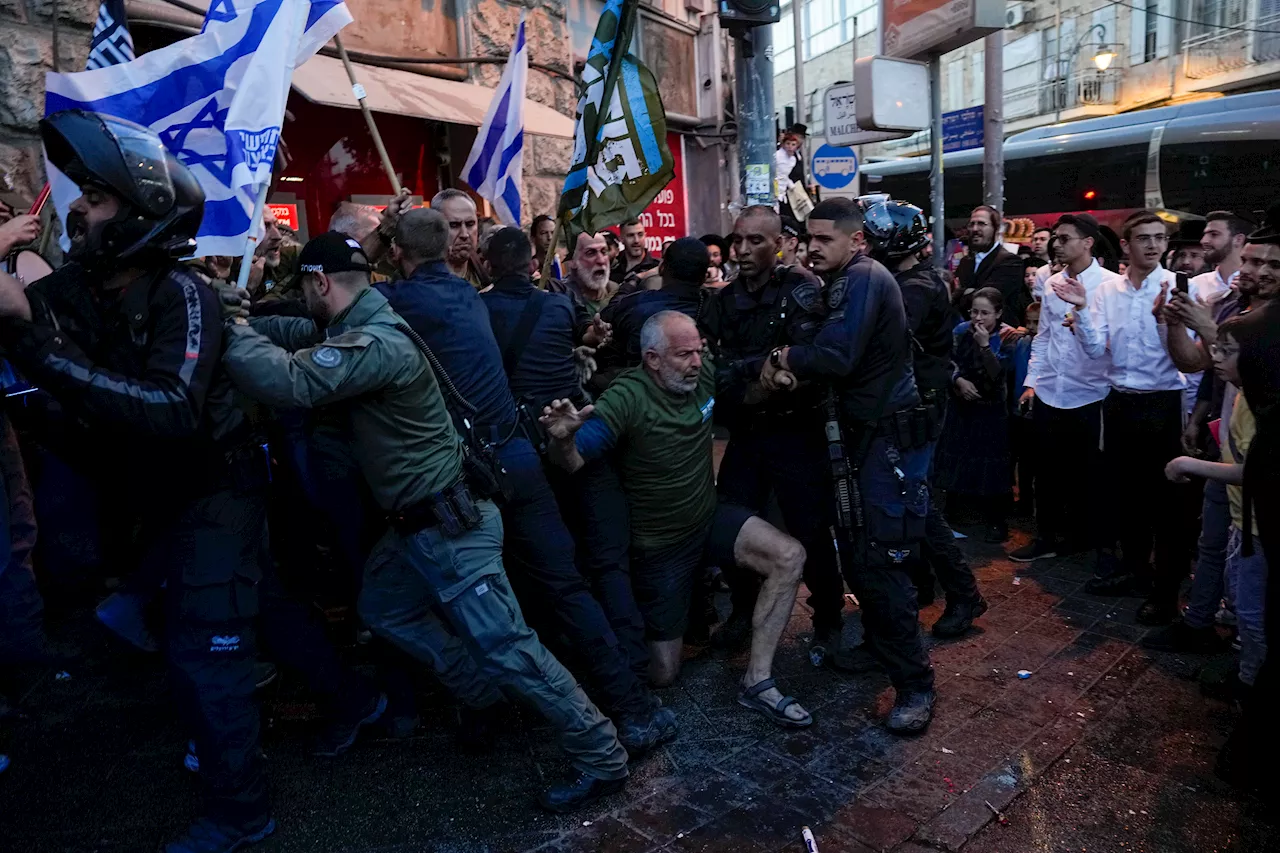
[1183, 160]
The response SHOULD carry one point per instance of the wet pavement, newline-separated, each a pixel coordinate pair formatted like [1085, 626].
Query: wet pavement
[1105, 747]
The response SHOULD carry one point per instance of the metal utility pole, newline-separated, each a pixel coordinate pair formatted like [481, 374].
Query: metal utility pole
[993, 119]
[797, 20]
[753, 69]
[935, 155]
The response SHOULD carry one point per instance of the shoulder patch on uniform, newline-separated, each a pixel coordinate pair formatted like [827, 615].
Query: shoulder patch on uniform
[809, 295]
[326, 356]
[835, 293]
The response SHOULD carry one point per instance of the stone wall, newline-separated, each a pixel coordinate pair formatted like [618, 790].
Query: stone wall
[26, 53]
[493, 26]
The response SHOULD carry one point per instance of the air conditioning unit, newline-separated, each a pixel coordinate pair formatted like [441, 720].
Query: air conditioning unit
[1017, 14]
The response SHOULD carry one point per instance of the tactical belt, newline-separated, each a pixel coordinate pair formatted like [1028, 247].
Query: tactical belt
[453, 510]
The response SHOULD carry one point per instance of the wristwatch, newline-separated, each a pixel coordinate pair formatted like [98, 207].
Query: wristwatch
[775, 358]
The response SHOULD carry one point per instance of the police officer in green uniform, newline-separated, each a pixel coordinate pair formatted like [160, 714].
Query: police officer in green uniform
[435, 584]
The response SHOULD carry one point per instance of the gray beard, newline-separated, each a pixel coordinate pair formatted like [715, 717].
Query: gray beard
[674, 381]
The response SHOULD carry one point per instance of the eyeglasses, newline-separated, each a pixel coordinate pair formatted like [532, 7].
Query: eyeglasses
[1150, 239]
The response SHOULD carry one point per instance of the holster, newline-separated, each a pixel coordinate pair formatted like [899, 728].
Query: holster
[453, 510]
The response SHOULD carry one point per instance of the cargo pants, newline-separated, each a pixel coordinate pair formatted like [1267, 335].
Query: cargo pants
[447, 602]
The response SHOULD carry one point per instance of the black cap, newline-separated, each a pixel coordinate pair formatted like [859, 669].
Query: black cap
[792, 227]
[332, 252]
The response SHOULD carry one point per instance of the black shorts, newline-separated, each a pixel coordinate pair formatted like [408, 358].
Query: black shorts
[663, 578]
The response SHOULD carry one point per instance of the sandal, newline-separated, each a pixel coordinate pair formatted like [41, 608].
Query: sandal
[749, 697]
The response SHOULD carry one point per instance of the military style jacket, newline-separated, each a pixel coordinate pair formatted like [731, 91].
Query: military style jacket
[403, 437]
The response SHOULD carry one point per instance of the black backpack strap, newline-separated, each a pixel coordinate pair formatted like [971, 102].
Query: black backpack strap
[523, 331]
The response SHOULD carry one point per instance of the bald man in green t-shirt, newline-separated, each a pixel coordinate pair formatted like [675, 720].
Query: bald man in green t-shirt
[656, 419]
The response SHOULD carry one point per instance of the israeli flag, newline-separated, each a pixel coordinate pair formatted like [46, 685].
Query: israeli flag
[493, 169]
[216, 100]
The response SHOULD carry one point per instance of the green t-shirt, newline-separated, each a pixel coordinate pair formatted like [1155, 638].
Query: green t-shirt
[664, 454]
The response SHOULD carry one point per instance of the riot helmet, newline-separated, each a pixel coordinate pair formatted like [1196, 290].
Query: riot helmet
[894, 229]
[162, 203]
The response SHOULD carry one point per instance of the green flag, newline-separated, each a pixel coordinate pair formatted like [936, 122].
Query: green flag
[620, 155]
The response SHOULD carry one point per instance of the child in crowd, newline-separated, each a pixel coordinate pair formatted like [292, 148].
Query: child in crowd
[973, 455]
[1246, 574]
[1021, 431]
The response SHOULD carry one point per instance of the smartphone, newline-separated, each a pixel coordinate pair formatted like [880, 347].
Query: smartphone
[1181, 284]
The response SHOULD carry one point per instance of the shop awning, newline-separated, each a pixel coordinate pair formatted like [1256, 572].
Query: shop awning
[323, 80]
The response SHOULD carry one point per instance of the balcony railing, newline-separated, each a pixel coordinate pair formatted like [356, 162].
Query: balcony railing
[1085, 88]
[1255, 40]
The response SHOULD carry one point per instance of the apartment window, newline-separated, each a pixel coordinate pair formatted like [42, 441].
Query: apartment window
[1153, 25]
[784, 51]
[953, 91]
[824, 26]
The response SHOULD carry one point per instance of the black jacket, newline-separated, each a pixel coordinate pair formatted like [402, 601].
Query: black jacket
[1002, 270]
[138, 390]
[931, 318]
[863, 348]
[742, 328]
[544, 369]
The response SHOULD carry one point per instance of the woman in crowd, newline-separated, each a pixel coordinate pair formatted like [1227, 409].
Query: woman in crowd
[973, 456]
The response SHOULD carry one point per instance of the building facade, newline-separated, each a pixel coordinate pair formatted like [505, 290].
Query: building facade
[1063, 59]
[429, 70]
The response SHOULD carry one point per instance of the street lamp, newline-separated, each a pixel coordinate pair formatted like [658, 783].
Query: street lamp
[1102, 59]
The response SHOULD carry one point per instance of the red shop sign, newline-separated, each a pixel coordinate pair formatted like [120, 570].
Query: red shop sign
[286, 215]
[665, 218]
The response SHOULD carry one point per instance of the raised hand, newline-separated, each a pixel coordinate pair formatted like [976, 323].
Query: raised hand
[599, 333]
[562, 419]
[981, 334]
[1162, 301]
[1071, 291]
[18, 231]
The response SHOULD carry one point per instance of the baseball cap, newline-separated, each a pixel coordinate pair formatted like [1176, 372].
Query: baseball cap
[332, 252]
[792, 227]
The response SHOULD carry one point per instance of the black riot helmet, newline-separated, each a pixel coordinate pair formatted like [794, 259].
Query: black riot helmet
[162, 203]
[894, 229]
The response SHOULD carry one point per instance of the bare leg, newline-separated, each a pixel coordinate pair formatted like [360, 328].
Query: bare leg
[664, 661]
[768, 551]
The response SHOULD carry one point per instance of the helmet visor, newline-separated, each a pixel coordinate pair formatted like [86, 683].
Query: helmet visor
[144, 158]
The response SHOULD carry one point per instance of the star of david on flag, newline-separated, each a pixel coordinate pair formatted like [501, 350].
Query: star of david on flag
[216, 100]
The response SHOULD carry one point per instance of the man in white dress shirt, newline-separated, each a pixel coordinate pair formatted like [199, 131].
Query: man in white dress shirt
[1142, 422]
[1222, 243]
[1066, 389]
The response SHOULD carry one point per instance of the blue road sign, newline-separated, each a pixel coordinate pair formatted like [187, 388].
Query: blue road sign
[963, 129]
[834, 168]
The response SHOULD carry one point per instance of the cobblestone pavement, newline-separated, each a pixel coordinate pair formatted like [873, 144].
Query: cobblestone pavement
[1104, 747]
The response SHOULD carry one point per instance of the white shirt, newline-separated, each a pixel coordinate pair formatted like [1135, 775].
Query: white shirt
[783, 163]
[1209, 286]
[1060, 370]
[1119, 322]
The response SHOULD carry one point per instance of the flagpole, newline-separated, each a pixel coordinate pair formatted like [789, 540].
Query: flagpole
[358, 91]
[251, 244]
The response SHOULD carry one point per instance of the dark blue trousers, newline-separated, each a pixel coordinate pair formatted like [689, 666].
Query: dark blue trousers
[540, 558]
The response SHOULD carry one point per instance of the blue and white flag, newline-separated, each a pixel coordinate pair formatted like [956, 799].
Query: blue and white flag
[493, 169]
[112, 44]
[216, 100]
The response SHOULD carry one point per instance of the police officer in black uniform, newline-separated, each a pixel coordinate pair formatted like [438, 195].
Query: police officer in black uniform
[127, 344]
[776, 444]
[537, 332]
[864, 352]
[896, 233]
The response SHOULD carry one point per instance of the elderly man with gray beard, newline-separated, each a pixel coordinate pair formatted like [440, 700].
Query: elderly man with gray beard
[657, 419]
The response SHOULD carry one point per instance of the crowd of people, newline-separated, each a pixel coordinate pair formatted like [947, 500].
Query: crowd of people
[506, 457]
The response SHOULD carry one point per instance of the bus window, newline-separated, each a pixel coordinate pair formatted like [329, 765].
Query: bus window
[1202, 176]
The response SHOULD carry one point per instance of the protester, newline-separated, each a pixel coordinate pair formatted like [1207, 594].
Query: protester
[657, 419]
[973, 456]
[634, 263]
[462, 258]
[718, 251]
[543, 235]
[1040, 244]
[786, 160]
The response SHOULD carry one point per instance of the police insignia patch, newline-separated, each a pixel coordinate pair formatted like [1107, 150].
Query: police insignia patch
[809, 297]
[835, 293]
[326, 357]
